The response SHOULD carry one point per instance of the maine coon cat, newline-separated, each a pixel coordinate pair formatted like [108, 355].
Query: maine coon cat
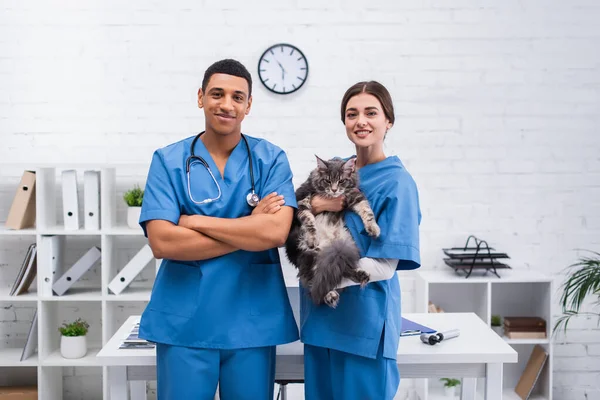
[320, 246]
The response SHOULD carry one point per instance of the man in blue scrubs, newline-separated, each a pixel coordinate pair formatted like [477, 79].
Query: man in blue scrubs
[219, 305]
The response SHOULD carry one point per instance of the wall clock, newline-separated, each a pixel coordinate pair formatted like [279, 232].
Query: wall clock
[283, 68]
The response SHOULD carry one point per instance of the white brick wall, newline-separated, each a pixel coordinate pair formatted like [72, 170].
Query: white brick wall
[497, 110]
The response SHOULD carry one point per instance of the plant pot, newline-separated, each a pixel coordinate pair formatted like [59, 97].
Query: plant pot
[73, 346]
[450, 391]
[499, 330]
[133, 217]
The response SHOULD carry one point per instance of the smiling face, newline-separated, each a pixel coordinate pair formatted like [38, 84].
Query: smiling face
[226, 101]
[365, 120]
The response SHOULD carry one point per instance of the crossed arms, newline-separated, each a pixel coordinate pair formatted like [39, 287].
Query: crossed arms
[198, 237]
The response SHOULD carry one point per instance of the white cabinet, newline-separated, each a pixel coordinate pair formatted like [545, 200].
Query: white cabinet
[89, 298]
[516, 293]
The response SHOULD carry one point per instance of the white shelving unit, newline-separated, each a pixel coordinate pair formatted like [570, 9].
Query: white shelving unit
[516, 293]
[90, 299]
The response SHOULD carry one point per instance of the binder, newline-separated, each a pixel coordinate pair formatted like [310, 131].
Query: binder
[131, 270]
[76, 271]
[91, 200]
[29, 275]
[22, 211]
[70, 200]
[31, 343]
[532, 372]
[411, 328]
[23, 269]
[52, 248]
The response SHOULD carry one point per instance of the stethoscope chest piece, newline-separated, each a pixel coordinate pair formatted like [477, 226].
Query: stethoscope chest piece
[252, 199]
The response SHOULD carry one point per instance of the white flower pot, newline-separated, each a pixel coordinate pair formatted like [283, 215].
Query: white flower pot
[450, 391]
[133, 217]
[499, 330]
[73, 346]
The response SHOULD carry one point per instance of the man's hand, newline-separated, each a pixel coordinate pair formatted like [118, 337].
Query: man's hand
[319, 204]
[269, 205]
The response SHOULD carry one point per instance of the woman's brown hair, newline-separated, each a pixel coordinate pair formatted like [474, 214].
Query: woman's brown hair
[374, 88]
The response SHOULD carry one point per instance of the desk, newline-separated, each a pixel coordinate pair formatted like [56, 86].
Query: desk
[477, 352]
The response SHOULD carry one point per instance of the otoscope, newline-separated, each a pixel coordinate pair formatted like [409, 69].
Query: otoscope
[433, 338]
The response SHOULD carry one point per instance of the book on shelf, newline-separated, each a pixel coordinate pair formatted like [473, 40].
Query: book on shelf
[22, 211]
[27, 272]
[31, 344]
[532, 372]
[525, 335]
[19, 392]
[524, 322]
[133, 341]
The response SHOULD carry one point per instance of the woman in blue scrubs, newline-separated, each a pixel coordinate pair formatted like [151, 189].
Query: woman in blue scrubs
[219, 305]
[350, 351]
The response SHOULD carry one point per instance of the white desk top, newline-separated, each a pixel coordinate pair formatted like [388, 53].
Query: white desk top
[477, 343]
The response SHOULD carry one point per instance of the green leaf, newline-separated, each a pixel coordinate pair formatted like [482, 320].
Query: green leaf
[134, 197]
[76, 328]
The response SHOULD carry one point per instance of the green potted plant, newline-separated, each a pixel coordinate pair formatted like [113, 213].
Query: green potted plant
[133, 198]
[73, 343]
[450, 385]
[583, 279]
[497, 324]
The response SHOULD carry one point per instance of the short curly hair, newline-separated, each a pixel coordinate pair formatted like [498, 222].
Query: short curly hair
[229, 67]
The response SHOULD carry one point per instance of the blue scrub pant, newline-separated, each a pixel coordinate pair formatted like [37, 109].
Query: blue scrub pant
[335, 375]
[192, 373]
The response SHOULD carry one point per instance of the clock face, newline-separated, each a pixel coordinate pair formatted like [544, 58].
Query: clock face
[283, 68]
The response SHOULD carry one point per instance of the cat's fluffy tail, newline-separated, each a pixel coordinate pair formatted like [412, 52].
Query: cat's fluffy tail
[330, 266]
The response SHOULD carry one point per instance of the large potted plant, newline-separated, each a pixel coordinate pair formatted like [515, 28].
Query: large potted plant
[133, 198]
[73, 343]
[583, 279]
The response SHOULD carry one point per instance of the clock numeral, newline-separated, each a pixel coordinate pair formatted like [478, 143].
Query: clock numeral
[262, 70]
[291, 52]
[294, 86]
[302, 79]
[274, 86]
[303, 68]
[266, 80]
[299, 58]
[265, 60]
[283, 89]
[282, 49]
[272, 52]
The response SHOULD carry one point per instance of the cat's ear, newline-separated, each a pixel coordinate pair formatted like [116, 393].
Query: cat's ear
[350, 165]
[322, 165]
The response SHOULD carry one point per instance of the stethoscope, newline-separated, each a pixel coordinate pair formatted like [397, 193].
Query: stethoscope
[252, 198]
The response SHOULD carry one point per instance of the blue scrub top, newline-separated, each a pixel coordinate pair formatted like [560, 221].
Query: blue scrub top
[238, 300]
[366, 316]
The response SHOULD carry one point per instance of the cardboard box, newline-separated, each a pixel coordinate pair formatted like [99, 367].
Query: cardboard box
[18, 393]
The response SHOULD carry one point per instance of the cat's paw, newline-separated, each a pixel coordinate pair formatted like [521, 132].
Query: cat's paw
[312, 243]
[362, 277]
[373, 230]
[332, 298]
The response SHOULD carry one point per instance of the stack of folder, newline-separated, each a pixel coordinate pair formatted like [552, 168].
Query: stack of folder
[525, 327]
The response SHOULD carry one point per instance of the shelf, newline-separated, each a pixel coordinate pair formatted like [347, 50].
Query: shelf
[77, 294]
[526, 341]
[4, 231]
[11, 358]
[31, 295]
[131, 294]
[123, 231]
[60, 230]
[445, 275]
[89, 360]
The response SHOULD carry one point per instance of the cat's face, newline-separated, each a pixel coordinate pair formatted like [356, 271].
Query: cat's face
[335, 177]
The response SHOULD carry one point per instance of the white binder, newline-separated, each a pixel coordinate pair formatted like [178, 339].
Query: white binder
[76, 271]
[91, 200]
[32, 337]
[52, 249]
[70, 200]
[131, 270]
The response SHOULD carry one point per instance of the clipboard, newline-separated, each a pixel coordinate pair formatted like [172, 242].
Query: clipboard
[411, 328]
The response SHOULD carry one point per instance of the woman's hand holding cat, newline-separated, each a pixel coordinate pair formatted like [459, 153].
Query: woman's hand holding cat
[319, 204]
[269, 205]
